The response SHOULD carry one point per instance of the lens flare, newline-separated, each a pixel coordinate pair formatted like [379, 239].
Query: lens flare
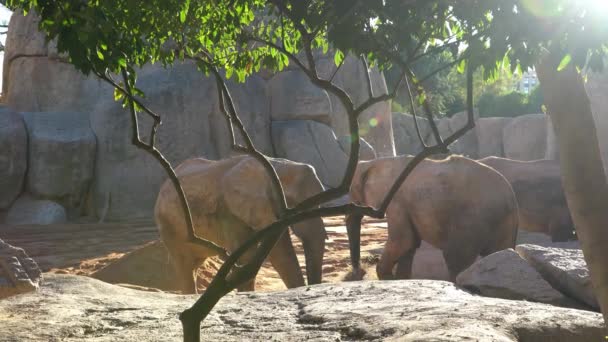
[373, 122]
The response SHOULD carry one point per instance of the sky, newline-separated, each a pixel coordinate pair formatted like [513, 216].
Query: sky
[5, 16]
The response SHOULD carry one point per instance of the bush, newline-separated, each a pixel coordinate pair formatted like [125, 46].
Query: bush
[511, 104]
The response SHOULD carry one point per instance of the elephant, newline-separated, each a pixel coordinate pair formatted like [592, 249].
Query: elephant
[230, 200]
[457, 205]
[540, 196]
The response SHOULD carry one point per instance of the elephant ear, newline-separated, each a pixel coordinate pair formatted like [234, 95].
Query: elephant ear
[246, 190]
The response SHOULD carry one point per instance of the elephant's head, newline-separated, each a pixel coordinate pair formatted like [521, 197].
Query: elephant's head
[374, 178]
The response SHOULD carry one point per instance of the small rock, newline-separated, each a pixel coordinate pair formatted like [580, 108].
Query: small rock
[506, 275]
[27, 210]
[18, 272]
[565, 269]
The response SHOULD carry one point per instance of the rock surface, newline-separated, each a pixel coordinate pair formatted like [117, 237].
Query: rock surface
[294, 97]
[565, 269]
[27, 210]
[312, 143]
[18, 272]
[77, 308]
[366, 151]
[468, 144]
[525, 137]
[406, 137]
[61, 156]
[505, 274]
[597, 88]
[489, 136]
[13, 156]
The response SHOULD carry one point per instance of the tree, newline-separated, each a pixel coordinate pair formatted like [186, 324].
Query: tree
[111, 38]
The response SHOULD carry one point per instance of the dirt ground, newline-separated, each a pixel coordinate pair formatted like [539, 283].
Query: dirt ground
[87, 248]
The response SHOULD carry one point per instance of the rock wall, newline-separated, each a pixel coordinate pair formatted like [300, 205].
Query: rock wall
[527, 137]
[112, 179]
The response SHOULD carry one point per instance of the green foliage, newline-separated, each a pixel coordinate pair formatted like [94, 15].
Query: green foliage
[510, 104]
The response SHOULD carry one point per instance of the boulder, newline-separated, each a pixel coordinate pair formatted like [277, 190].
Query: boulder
[312, 143]
[597, 88]
[406, 137]
[468, 144]
[565, 269]
[294, 97]
[147, 266]
[366, 151]
[18, 272]
[13, 156]
[61, 156]
[27, 210]
[505, 274]
[375, 122]
[79, 308]
[525, 137]
[489, 136]
[429, 263]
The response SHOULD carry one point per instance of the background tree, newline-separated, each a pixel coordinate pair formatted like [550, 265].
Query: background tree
[112, 38]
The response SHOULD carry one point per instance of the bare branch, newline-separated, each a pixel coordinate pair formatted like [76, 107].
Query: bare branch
[426, 106]
[414, 111]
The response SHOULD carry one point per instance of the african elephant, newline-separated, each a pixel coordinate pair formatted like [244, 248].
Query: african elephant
[457, 205]
[538, 188]
[230, 200]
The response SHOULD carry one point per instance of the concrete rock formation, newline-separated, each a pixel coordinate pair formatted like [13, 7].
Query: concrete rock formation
[13, 156]
[18, 272]
[28, 210]
[61, 156]
[506, 275]
[489, 136]
[366, 151]
[525, 137]
[565, 269]
[312, 143]
[83, 308]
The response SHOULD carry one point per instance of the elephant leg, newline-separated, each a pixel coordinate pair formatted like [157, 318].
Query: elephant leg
[353, 228]
[404, 265]
[402, 240]
[459, 254]
[312, 234]
[284, 260]
[185, 264]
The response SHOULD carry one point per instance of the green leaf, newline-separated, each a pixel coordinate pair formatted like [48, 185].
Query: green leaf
[564, 63]
[184, 11]
[462, 66]
[100, 55]
[338, 57]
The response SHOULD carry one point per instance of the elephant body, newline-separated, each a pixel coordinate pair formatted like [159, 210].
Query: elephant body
[540, 196]
[462, 207]
[230, 200]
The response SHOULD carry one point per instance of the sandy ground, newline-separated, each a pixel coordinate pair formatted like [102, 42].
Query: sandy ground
[86, 248]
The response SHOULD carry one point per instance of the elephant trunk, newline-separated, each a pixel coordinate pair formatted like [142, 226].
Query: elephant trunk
[312, 234]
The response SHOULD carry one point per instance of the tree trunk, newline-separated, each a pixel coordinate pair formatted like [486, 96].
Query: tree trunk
[583, 176]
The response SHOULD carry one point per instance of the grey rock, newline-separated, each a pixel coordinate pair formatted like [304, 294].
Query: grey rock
[467, 144]
[525, 137]
[375, 122]
[294, 97]
[366, 151]
[525, 237]
[505, 274]
[489, 136]
[429, 263]
[13, 156]
[312, 143]
[565, 269]
[61, 156]
[27, 210]
[18, 272]
[77, 308]
[406, 136]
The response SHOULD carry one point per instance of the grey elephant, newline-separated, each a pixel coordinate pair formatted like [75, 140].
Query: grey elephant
[458, 205]
[230, 200]
[540, 196]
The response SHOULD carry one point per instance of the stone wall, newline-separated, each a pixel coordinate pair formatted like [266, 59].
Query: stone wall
[70, 126]
[527, 137]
